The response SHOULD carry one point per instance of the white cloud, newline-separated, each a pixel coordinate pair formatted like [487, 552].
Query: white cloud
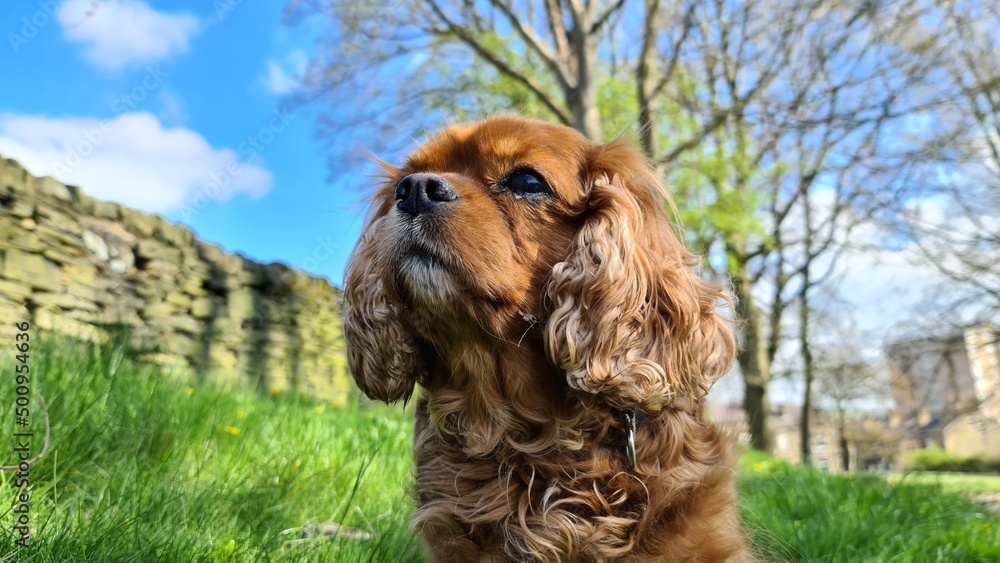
[131, 159]
[285, 76]
[118, 33]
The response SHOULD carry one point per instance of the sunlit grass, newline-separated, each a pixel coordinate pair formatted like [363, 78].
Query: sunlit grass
[952, 482]
[143, 467]
[795, 513]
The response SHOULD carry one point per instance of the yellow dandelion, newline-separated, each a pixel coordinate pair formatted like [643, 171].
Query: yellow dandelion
[189, 390]
[275, 390]
[758, 467]
[232, 430]
[988, 525]
[320, 409]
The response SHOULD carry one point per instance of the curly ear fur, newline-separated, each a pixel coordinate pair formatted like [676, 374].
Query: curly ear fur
[630, 321]
[381, 353]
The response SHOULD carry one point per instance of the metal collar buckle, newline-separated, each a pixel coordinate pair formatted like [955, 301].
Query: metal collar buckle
[631, 423]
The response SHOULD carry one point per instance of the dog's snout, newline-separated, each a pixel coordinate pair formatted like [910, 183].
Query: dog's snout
[422, 192]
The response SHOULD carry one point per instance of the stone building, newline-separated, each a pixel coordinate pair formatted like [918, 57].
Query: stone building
[947, 391]
[824, 439]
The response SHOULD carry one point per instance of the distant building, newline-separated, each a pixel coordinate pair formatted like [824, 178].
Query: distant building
[824, 440]
[947, 391]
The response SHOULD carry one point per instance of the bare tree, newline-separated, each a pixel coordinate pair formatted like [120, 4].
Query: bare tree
[947, 204]
[845, 377]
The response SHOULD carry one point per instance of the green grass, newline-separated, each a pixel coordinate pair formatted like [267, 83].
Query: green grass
[952, 482]
[144, 467]
[795, 513]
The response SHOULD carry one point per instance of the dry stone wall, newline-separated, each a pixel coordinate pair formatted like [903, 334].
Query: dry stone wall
[83, 267]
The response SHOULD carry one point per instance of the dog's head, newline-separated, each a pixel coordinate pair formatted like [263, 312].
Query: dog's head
[508, 225]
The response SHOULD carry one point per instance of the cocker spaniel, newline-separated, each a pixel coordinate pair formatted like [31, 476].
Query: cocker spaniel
[530, 281]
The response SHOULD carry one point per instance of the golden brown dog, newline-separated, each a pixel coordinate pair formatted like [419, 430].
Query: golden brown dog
[531, 283]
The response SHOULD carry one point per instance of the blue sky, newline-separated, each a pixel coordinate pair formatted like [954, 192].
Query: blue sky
[178, 108]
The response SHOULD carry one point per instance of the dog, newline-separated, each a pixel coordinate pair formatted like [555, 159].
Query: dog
[531, 282]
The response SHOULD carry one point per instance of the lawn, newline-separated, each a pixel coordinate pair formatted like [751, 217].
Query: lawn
[796, 513]
[953, 482]
[142, 466]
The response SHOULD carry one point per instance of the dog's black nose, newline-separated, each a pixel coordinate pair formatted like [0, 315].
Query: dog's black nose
[422, 192]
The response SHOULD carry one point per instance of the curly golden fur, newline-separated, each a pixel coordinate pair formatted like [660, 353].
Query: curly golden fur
[531, 283]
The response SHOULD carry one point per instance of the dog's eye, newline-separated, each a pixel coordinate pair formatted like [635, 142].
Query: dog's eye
[525, 183]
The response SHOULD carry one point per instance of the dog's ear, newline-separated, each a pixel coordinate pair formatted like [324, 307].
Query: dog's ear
[381, 353]
[631, 321]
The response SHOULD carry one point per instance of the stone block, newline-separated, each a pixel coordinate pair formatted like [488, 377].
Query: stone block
[204, 308]
[118, 266]
[53, 188]
[15, 237]
[186, 324]
[79, 273]
[179, 344]
[66, 234]
[192, 263]
[241, 304]
[122, 316]
[12, 311]
[33, 269]
[137, 223]
[83, 292]
[148, 249]
[210, 252]
[61, 255]
[107, 210]
[178, 299]
[157, 311]
[50, 320]
[96, 245]
[63, 301]
[173, 234]
[23, 209]
[13, 175]
[148, 289]
[14, 291]
[233, 264]
[162, 268]
[192, 285]
[85, 204]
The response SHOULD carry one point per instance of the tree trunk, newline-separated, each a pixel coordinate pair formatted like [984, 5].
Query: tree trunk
[807, 370]
[582, 96]
[645, 83]
[845, 453]
[752, 358]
